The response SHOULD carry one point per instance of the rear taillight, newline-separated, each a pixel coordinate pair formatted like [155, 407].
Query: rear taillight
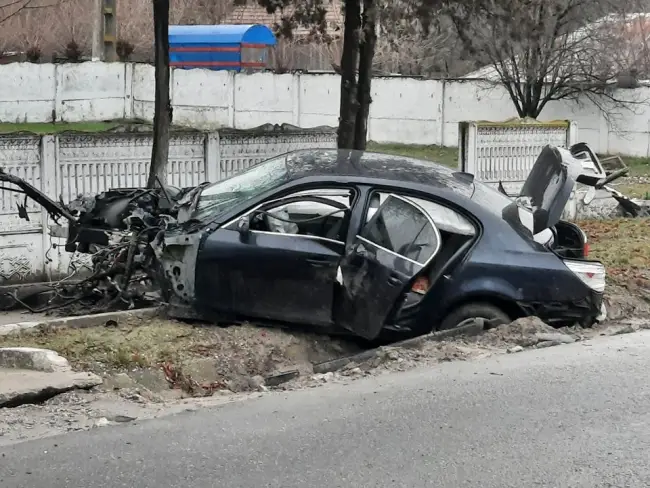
[592, 274]
[585, 244]
[420, 285]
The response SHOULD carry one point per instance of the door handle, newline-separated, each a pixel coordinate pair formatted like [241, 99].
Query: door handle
[318, 262]
[394, 280]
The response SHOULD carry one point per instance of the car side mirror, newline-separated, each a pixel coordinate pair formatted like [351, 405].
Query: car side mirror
[244, 225]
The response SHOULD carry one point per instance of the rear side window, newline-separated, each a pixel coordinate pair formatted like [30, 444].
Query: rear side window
[403, 228]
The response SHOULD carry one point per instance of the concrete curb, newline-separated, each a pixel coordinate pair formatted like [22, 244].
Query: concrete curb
[80, 321]
[34, 359]
[472, 329]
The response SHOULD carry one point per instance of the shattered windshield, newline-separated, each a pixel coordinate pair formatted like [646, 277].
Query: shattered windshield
[219, 196]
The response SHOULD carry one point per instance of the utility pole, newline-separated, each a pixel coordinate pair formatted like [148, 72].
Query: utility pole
[104, 30]
[110, 30]
[98, 30]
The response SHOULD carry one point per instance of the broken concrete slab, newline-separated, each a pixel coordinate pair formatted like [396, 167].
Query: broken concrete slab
[18, 387]
[33, 358]
[468, 330]
[92, 320]
[551, 337]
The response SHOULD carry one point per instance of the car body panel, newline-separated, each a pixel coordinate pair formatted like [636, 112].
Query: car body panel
[549, 186]
[374, 277]
[270, 276]
[534, 275]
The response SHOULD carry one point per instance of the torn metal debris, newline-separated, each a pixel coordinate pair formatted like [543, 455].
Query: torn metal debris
[115, 228]
[602, 179]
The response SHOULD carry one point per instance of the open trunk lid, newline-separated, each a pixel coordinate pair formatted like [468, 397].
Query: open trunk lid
[549, 185]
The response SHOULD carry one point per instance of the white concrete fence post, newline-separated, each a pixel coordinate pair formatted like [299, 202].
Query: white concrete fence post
[49, 187]
[212, 157]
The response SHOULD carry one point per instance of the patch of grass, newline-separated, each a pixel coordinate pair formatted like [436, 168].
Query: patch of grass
[635, 190]
[140, 345]
[50, 128]
[638, 166]
[449, 157]
[438, 154]
[622, 246]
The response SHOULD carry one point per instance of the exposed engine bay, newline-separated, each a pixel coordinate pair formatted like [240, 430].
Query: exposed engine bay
[114, 230]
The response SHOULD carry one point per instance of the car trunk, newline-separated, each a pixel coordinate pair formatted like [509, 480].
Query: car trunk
[569, 241]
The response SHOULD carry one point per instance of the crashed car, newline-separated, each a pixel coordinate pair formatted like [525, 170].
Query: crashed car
[356, 242]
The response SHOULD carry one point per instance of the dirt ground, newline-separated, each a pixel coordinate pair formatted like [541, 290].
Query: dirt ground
[623, 246]
[195, 359]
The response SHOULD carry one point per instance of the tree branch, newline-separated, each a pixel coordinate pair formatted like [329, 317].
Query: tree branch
[18, 6]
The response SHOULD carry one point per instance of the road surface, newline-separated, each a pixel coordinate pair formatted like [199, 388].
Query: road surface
[570, 416]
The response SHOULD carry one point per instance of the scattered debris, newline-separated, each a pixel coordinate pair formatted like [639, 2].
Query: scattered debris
[466, 330]
[624, 330]
[554, 337]
[164, 355]
[522, 332]
[114, 229]
[279, 378]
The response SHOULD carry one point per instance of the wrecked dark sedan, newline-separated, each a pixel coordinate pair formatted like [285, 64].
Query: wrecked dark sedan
[368, 242]
[363, 243]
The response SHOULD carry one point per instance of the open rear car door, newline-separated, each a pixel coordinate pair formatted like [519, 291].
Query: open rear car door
[387, 254]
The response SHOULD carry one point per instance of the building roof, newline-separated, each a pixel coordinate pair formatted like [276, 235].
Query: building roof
[255, 14]
[221, 34]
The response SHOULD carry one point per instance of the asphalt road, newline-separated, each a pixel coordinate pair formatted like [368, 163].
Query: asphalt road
[571, 416]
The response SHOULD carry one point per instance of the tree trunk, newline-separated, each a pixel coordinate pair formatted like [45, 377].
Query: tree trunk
[366, 55]
[163, 111]
[349, 63]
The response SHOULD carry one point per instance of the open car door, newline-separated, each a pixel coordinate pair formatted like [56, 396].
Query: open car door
[388, 253]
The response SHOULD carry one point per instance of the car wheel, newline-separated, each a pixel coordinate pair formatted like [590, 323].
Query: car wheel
[470, 311]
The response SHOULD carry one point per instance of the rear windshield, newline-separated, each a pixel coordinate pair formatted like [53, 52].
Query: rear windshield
[493, 200]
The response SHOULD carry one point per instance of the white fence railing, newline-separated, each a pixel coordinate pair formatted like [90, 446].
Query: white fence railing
[67, 165]
[506, 151]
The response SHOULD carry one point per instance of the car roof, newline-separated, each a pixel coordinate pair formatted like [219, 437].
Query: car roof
[375, 165]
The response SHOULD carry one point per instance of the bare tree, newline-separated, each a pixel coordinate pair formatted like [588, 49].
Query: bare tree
[162, 118]
[359, 40]
[542, 50]
[162, 105]
[12, 8]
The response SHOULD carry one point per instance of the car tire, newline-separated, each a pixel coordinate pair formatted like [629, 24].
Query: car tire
[469, 311]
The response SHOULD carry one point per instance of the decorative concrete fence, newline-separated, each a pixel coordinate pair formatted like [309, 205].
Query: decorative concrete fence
[71, 164]
[506, 151]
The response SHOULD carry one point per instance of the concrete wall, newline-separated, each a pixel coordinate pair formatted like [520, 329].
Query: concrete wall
[404, 110]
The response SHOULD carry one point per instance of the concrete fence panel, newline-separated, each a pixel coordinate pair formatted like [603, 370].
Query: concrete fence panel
[404, 110]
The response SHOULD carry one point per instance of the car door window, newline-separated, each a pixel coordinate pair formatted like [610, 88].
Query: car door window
[305, 217]
[403, 228]
[313, 213]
